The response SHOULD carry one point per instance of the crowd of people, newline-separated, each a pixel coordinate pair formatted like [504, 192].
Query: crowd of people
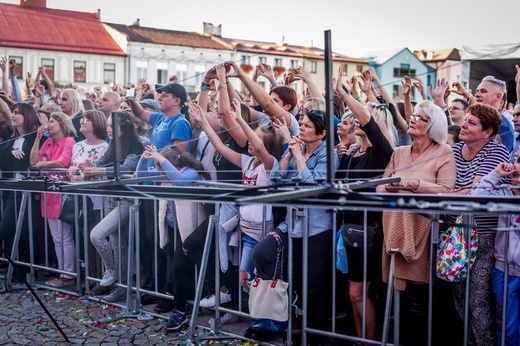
[253, 137]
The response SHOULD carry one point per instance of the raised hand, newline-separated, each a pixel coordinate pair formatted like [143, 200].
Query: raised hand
[418, 83]
[457, 88]
[281, 124]
[196, 112]
[440, 89]
[39, 89]
[504, 169]
[238, 110]
[233, 70]
[172, 79]
[366, 86]
[407, 85]
[338, 82]
[3, 63]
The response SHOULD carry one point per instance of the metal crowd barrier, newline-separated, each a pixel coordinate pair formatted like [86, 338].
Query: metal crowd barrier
[331, 198]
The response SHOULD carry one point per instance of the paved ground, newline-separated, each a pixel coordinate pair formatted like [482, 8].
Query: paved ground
[24, 322]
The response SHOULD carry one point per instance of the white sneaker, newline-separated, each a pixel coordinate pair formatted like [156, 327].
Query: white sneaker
[109, 277]
[117, 294]
[229, 319]
[209, 300]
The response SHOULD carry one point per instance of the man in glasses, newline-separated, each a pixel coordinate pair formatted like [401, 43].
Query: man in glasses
[457, 111]
[490, 92]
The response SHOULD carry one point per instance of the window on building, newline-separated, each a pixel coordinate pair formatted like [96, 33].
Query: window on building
[141, 69]
[181, 72]
[294, 63]
[313, 67]
[49, 67]
[19, 66]
[404, 70]
[162, 73]
[199, 74]
[245, 60]
[262, 60]
[397, 91]
[109, 72]
[359, 70]
[80, 71]
[277, 62]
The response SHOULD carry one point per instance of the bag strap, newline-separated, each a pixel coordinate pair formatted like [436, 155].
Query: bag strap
[279, 254]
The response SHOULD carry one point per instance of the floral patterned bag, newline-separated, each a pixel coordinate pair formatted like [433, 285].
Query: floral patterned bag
[452, 253]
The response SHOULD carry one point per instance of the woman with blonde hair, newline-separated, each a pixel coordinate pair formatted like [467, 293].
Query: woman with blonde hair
[71, 104]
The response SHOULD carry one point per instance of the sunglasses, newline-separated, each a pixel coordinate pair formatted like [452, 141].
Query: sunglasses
[84, 120]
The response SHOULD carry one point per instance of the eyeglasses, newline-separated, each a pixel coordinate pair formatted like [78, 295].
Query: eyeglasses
[304, 110]
[84, 120]
[455, 109]
[419, 118]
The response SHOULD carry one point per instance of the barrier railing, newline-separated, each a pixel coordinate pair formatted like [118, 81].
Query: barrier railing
[335, 199]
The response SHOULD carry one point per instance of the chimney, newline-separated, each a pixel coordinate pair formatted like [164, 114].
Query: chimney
[137, 22]
[97, 13]
[33, 3]
[211, 29]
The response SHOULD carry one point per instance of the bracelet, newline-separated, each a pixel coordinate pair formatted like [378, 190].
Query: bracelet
[205, 87]
[469, 99]
[358, 99]
[222, 86]
[342, 96]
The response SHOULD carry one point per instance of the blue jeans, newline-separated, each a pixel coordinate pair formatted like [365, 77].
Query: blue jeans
[108, 227]
[246, 263]
[513, 304]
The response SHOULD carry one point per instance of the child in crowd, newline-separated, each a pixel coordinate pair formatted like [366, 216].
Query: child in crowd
[266, 146]
[182, 169]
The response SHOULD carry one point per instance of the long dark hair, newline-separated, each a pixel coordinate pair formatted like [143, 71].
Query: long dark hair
[181, 159]
[30, 118]
[127, 137]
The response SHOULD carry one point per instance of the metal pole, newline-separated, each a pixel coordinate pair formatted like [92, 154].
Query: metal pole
[329, 109]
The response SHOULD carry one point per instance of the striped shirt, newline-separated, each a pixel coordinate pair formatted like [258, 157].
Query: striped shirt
[484, 162]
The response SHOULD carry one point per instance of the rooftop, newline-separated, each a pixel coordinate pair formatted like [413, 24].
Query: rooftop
[56, 30]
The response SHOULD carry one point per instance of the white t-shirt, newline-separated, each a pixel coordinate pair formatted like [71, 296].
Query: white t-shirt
[255, 177]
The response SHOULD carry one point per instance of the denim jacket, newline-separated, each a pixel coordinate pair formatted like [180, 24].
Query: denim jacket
[319, 219]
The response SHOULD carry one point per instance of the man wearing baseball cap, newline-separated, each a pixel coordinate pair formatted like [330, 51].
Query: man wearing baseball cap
[169, 124]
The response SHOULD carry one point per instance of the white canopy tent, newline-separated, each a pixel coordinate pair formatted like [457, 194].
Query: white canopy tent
[491, 59]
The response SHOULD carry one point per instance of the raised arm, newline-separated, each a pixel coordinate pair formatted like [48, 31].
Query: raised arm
[50, 85]
[5, 79]
[254, 141]
[139, 111]
[305, 76]
[439, 91]
[458, 89]
[517, 80]
[359, 111]
[17, 96]
[265, 100]
[408, 107]
[199, 116]
[224, 109]
[267, 72]
[367, 87]
[5, 112]
[418, 83]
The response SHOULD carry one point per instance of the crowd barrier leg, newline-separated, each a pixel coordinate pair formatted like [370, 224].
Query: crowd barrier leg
[18, 231]
[133, 302]
[505, 290]
[468, 221]
[389, 296]
[212, 225]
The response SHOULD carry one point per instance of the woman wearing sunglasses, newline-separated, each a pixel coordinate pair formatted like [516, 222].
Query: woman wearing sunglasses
[305, 159]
